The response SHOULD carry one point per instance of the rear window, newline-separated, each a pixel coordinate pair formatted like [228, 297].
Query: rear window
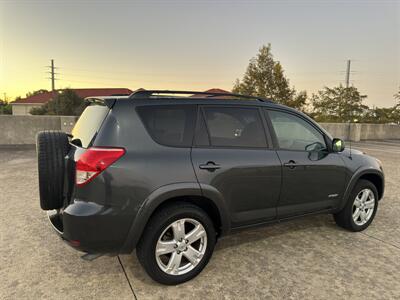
[88, 124]
[170, 125]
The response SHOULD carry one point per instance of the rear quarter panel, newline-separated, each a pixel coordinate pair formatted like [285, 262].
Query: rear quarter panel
[145, 167]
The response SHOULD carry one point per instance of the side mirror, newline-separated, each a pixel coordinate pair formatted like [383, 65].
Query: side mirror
[337, 145]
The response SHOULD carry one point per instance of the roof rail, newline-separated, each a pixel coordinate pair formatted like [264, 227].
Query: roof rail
[150, 93]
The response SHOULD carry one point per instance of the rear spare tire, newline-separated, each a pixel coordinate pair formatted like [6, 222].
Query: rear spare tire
[51, 147]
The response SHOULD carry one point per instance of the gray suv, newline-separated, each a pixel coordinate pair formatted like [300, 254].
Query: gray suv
[170, 172]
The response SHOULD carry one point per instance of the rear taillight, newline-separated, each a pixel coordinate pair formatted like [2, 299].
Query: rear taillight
[94, 161]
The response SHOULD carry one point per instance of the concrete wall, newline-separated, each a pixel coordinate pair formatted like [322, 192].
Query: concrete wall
[23, 109]
[22, 130]
[361, 131]
[377, 131]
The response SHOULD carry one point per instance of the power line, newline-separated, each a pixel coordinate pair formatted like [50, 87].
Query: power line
[112, 80]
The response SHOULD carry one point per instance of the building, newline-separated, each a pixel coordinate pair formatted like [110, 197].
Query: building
[24, 106]
[216, 91]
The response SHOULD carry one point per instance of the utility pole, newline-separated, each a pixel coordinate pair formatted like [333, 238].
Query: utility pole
[53, 80]
[52, 76]
[348, 73]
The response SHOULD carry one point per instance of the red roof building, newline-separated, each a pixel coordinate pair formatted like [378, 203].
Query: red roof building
[216, 90]
[213, 90]
[23, 106]
[83, 93]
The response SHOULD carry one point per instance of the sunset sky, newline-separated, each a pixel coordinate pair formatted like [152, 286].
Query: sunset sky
[198, 45]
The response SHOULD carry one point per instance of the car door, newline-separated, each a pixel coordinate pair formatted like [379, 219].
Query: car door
[313, 177]
[231, 158]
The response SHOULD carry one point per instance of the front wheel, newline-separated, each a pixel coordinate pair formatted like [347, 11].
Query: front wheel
[177, 243]
[361, 208]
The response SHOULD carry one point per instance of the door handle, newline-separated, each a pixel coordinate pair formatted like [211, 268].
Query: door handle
[291, 164]
[210, 166]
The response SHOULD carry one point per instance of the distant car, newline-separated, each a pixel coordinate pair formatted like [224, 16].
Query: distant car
[169, 175]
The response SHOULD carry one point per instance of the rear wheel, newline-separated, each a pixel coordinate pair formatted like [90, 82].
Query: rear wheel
[51, 147]
[361, 208]
[177, 243]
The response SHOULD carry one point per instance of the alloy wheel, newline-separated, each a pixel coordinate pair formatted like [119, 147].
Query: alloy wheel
[363, 207]
[181, 246]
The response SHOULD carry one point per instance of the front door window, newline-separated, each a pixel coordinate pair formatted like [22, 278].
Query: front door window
[294, 133]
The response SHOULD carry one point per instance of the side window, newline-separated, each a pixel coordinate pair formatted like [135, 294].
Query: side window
[294, 133]
[170, 125]
[234, 127]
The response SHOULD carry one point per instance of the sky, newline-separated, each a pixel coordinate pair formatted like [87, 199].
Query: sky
[197, 45]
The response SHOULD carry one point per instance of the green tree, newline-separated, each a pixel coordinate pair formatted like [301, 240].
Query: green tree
[38, 92]
[5, 108]
[264, 77]
[66, 103]
[379, 115]
[384, 114]
[338, 104]
[395, 115]
[397, 95]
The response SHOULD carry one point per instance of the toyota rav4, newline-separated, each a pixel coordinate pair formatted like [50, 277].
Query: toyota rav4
[168, 175]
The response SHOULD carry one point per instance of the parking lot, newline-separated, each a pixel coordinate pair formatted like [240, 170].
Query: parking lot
[309, 258]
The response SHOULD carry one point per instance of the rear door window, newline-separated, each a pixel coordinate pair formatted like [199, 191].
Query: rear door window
[235, 127]
[88, 124]
[169, 125]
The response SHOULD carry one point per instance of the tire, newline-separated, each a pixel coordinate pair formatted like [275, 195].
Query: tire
[159, 224]
[51, 148]
[346, 218]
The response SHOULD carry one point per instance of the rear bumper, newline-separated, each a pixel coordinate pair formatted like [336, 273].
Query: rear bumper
[90, 227]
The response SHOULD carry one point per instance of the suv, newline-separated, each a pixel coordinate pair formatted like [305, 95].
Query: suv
[169, 175]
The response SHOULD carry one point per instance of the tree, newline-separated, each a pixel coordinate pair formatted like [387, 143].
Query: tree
[66, 103]
[397, 95]
[41, 91]
[5, 108]
[395, 116]
[338, 104]
[384, 114]
[379, 115]
[396, 109]
[264, 77]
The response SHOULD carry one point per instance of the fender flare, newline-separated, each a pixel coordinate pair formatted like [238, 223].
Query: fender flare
[164, 193]
[353, 180]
